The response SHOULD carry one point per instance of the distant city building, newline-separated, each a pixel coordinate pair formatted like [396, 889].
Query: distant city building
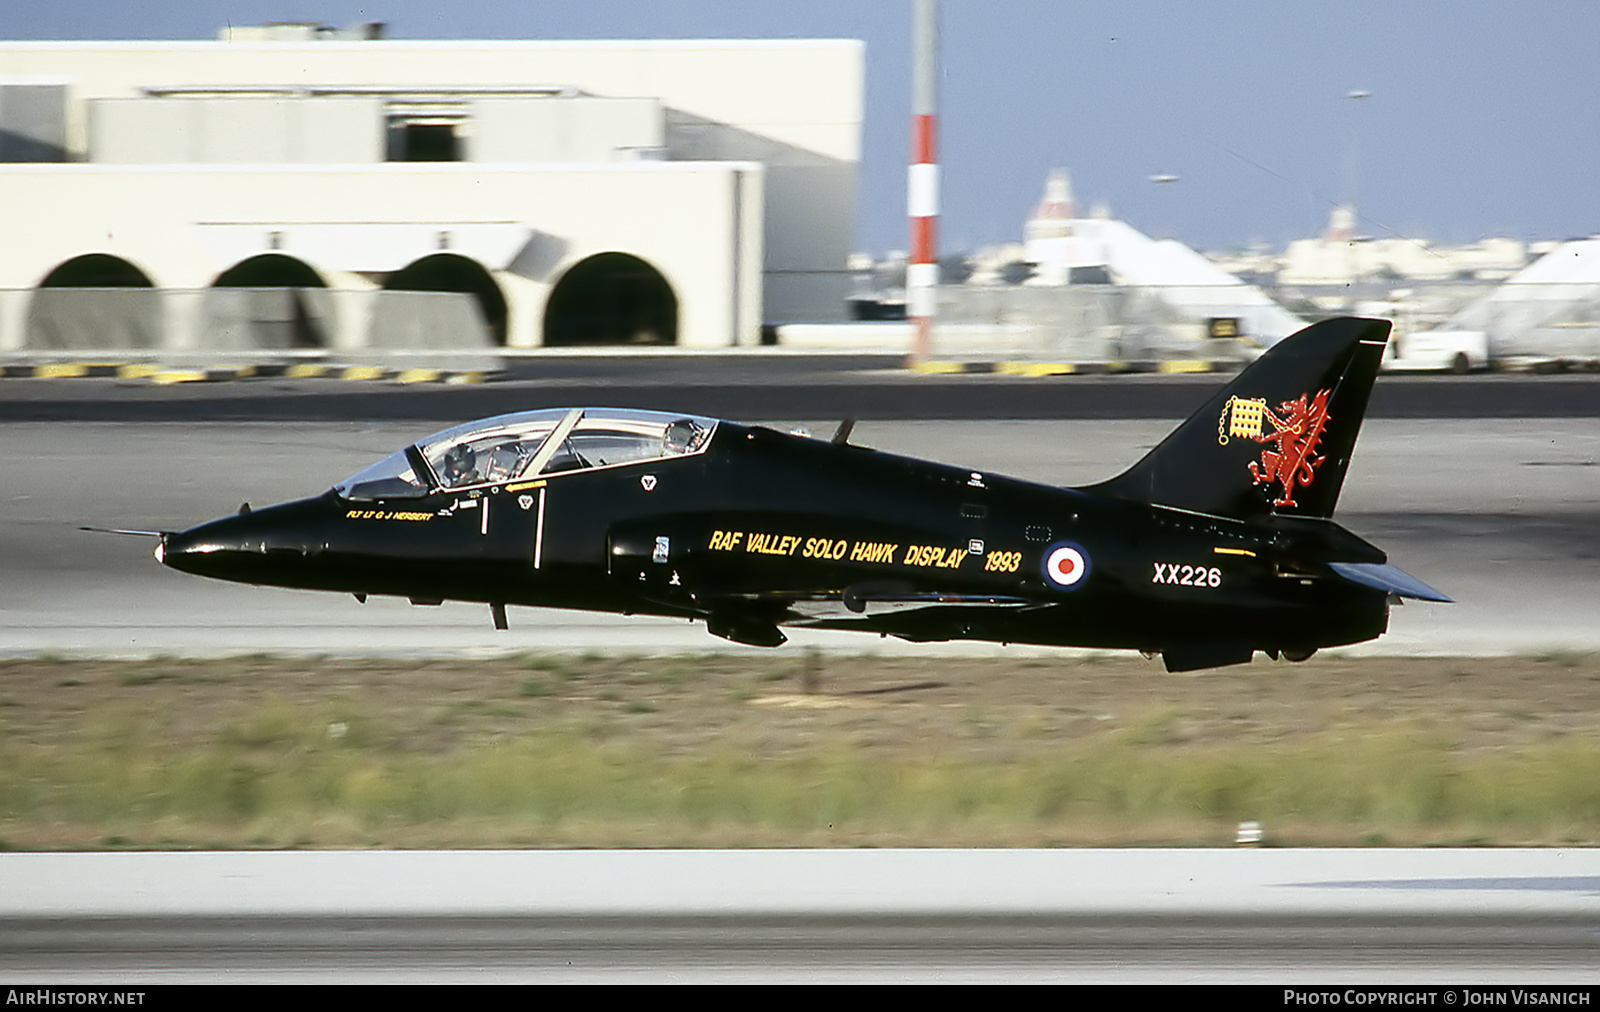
[1002, 263]
[1052, 239]
[1340, 256]
[663, 192]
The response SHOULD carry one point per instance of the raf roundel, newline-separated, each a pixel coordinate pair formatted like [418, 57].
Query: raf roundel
[1066, 565]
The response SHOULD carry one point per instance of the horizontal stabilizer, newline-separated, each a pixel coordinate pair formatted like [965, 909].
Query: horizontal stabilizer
[1391, 579]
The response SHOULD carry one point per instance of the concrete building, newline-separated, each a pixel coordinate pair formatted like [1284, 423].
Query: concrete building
[295, 187]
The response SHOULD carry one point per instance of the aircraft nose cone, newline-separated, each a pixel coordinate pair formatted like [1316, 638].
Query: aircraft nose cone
[211, 549]
[256, 547]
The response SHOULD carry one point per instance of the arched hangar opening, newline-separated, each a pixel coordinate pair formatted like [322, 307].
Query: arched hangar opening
[96, 270]
[270, 270]
[95, 302]
[268, 301]
[422, 306]
[611, 298]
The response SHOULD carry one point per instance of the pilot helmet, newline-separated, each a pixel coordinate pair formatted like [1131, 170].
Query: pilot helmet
[682, 435]
[458, 461]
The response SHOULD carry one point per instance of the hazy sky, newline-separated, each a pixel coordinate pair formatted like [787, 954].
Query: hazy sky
[1484, 117]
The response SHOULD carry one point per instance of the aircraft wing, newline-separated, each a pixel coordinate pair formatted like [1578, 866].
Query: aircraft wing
[853, 603]
[859, 602]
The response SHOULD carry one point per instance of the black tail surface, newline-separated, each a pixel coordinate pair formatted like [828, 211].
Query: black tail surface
[1277, 439]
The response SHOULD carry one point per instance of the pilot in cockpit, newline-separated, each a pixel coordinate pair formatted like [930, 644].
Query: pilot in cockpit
[460, 467]
[682, 436]
[506, 461]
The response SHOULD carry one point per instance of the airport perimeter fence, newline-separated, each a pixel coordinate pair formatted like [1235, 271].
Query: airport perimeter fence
[1080, 324]
[1089, 325]
[216, 327]
[1223, 324]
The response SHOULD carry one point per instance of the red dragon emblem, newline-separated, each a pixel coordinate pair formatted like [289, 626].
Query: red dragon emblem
[1297, 428]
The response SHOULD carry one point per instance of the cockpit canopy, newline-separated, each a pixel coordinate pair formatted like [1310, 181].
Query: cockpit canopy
[527, 445]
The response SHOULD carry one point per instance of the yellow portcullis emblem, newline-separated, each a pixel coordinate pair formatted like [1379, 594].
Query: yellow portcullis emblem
[1241, 417]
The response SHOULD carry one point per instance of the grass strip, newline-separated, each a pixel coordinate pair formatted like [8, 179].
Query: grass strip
[631, 752]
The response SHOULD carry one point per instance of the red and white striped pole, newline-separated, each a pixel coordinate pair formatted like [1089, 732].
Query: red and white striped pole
[922, 181]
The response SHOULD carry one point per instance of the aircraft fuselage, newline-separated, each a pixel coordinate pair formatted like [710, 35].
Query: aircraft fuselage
[1218, 543]
[766, 528]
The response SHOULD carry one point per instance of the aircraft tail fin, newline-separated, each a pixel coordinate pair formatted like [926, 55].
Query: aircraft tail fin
[1277, 440]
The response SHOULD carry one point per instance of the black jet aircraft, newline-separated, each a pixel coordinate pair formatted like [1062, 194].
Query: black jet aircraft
[1216, 545]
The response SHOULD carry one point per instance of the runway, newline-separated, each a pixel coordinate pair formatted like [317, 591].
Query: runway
[1503, 515]
[759, 386]
[1353, 918]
